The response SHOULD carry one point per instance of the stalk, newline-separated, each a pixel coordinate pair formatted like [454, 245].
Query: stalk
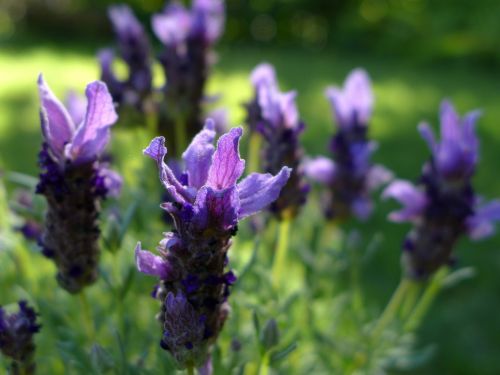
[180, 135]
[391, 308]
[254, 152]
[426, 300]
[281, 252]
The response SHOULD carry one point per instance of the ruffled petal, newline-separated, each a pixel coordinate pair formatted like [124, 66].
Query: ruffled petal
[93, 134]
[173, 26]
[263, 75]
[321, 170]
[157, 151]
[259, 190]
[227, 166]
[481, 225]
[150, 264]
[413, 200]
[57, 125]
[198, 156]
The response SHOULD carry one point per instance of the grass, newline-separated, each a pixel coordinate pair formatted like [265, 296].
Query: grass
[463, 323]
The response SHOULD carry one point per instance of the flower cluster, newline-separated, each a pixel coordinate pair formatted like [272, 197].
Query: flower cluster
[350, 176]
[274, 116]
[207, 204]
[74, 180]
[188, 36]
[16, 338]
[135, 51]
[442, 205]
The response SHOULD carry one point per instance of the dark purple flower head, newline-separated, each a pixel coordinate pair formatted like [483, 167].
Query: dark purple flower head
[442, 206]
[135, 50]
[274, 115]
[74, 179]
[350, 176]
[16, 337]
[188, 36]
[206, 207]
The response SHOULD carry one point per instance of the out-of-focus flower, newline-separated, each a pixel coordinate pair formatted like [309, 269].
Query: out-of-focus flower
[74, 181]
[275, 117]
[135, 51]
[442, 205]
[188, 36]
[350, 177]
[17, 332]
[207, 203]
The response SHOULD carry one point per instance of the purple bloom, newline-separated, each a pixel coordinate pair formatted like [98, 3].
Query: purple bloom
[74, 180]
[442, 206]
[16, 338]
[188, 36]
[350, 176]
[135, 51]
[206, 208]
[275, 117]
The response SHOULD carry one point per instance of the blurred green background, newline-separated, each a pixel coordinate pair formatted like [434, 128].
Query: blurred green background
[416, 51]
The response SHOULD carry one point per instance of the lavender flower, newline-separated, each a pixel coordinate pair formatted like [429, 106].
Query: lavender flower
[350, 176]
[274, 115]
[16, 338]
[442, 205]
[188, 37]
[74, 181]
[207, 205]
[135, 51]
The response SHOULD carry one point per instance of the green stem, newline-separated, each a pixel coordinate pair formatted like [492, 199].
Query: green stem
[410, 300]
[254, 152]
[87, 315]
[190, 370]
[264, 364]
[180, 135]
[391, 308]
[281, 251]
[152, 122]
[426, 300]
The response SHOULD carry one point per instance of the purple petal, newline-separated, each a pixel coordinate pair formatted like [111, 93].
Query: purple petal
[150, 264]
[227, 166]
[173, 26]
[269, 100]
[413, 200]
[481, 225]
[112, 181]
[259, 190]
[216, 208]
[354, 103]
[220, 117]
[208, 19]
[157, 151]
[76, 105]
[450, 122]
[321, 170]
[362, 208]
[57, 126]
[289, 109]
[93, 134]
[207, 368]
[427, 134]
[263, 75]
[198, 156]
[378, 176]
[124, 21]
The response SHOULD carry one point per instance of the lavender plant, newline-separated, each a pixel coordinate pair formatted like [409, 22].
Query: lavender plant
[17, 332]
[275, 117]
[207, 205]
[350, 176]
[188, 37]
[135, 50]
[443, 205]
[74, 180]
